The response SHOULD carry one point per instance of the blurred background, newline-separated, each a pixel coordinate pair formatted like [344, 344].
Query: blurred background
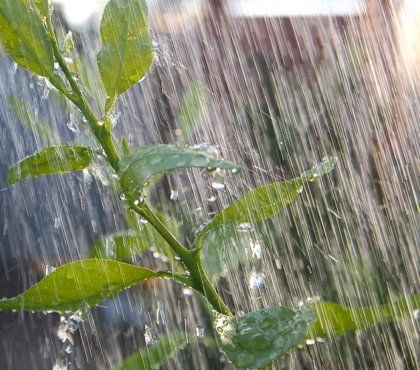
[274, 86]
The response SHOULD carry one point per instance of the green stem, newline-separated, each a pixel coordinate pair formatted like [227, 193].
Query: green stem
[269, 367]
[177, 277]
[191, 260]
[100, 130]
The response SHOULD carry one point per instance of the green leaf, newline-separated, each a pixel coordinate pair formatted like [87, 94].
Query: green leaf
[81, 282]
[43, 7]
[157, 354]
[266, 201]
[335, 319]
[126, 52]
[124, 246]
[192, 109]
[24, 36]
[258, 338]
[51, 160]
[150, 160]
[223, 251]
[120, 246]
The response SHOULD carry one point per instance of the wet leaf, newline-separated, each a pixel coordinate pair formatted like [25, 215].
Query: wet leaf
[51, 160]
[335, 319]
[266, 201]
[150, 160]
[81, 282]
[43, 7]
[124, 246]
[24, 36]
[258, 338]
[126, 52]
[223, 251]
[120, 246]
[151, 357]
[192, 109]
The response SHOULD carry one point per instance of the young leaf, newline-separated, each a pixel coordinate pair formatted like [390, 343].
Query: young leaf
[151, 357]
[24, 36]
[43, 7]
[192, 109]
[51, 160]
[120, 246]
[266, 201]
[335, 319]
[150, 160]
[256, 339]
[84, 281]
[124, 246]
[126, 52]
[223, 251]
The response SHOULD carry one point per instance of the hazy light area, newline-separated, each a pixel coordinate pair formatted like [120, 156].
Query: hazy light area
[276, 8]
[78, 12]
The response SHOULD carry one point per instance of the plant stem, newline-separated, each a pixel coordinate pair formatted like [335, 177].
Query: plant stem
[269, 367]
[99, 129]
[102, 131]
[190, 259]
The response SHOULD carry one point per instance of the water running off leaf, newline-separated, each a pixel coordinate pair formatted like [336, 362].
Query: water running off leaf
[256, 339]
[150, 160]
[81, 282]
[51, 160]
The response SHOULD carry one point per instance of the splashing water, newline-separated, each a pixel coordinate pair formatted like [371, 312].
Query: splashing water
[280, 93]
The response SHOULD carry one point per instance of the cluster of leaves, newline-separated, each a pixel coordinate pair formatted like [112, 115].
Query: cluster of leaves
[253, 340]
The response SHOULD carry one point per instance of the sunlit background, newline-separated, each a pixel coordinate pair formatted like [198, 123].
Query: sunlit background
[279, 85]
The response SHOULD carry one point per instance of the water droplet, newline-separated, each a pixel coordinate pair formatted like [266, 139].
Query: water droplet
[212, 199]
[122, 196]
[244, 227]
[187, 292]
[68, 349]
[310, 342]
[72, 124]
[200, 161]
[217, 185]
[49, 269]
[177, 257]
[199, 331]
[57, 222]
[150, 335]
[256, 249]
[235, 170]
[299, 190]
[114, 116]
[416, 315]
[143, 221]
[141, 200]
[256, 280]
[174, 195]
[268, 322]
[69, 274]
